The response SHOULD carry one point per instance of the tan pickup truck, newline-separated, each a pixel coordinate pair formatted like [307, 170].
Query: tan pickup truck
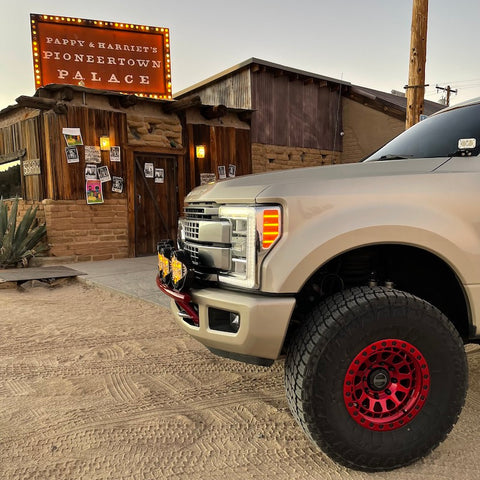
[365, 277]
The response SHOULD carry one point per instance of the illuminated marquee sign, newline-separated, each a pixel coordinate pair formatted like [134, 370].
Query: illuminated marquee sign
[126, 58]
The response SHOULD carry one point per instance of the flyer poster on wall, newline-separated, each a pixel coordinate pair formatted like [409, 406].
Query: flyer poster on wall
[206, 178]
[159, 175]
[103, 174]
[114, 154]
[232, 170]
[148, 169]
[94, 192]
[221, 172]
[73, 136]
[72, 154]
[117, 184]
[90, 171]
[92, 154]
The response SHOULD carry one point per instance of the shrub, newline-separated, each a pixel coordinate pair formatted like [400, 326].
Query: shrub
[19, 243]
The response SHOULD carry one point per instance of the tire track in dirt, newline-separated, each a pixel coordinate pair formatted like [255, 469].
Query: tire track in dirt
[122, 388]
[18, 387]
[88, 395]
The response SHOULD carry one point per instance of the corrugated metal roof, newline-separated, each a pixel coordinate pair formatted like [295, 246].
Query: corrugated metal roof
[263, 63]
[429, 107]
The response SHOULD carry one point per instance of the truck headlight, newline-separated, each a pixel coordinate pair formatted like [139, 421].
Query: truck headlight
[254, 231]
[181, 235]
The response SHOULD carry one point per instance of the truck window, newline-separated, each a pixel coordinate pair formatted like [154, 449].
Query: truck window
[437, 136]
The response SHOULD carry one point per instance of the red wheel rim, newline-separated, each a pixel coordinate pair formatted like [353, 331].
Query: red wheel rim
[386, 385]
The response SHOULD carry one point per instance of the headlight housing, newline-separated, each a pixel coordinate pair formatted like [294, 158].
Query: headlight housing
[254, 232]
[181, 234]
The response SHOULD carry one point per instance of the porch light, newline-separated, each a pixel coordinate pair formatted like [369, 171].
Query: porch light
[105, 143]
[200, 151]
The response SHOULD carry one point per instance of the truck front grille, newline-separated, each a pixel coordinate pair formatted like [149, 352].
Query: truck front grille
[191, 229]
[201, 212]
[207, 237]
[193, 251]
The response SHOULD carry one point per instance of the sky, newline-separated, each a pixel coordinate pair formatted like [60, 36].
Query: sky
[364, 42]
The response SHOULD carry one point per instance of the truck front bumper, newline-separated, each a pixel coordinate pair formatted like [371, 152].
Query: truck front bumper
[260, 326]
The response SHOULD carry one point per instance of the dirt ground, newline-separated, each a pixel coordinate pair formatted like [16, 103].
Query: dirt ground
[95, 385]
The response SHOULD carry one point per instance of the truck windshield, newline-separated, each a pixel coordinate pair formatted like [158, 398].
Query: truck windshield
[437, 136]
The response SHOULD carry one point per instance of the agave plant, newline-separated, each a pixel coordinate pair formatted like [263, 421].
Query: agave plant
[19, 243]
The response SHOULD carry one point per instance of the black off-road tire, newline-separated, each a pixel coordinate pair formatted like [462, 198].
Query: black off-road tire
[376, 378]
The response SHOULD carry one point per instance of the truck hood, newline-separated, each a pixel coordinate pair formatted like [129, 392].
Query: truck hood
[249, 188]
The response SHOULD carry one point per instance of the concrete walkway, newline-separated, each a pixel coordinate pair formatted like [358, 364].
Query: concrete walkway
[130, 276]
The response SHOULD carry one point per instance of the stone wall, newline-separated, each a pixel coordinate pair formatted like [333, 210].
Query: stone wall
[162, 130]
[24, 205]
[266, 158]
[87, 232]
[365, 130]
[80, 232]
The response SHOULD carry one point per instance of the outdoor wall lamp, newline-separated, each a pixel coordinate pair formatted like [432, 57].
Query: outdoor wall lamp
[200, 151]
[105, 142]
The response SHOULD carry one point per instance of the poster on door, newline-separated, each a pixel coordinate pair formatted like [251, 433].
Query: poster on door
[159, 175]
[148, 170]
[94, 192]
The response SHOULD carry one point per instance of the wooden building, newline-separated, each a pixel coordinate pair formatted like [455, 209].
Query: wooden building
[295, 116]
[301, 119]
[151, 137]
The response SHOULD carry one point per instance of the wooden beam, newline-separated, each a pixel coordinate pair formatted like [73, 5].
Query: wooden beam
[36, 102]
[10, 157]
[245, 116]
[122, 101]
[41, 103]
[211, 112]
[67, 94]
[127, 101]
[182, 104]
[255, 68]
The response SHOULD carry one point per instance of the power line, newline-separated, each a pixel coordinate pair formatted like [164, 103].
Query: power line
[448, 89]
[449, 82]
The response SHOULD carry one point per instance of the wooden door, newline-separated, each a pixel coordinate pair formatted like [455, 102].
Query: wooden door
[155, 201]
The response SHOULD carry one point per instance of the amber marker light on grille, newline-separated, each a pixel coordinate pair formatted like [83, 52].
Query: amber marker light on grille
[271, 227]
[163, 265]
[178, 270]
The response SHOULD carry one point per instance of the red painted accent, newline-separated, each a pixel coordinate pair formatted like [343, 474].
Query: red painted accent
[182, 299]
[403, 383]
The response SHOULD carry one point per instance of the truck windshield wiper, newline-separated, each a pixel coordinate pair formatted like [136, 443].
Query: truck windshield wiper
[391, 156]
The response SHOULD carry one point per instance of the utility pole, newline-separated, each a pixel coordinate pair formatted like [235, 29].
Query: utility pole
[418, 53]
[449, 90]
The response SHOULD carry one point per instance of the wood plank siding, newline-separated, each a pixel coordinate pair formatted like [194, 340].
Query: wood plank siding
[224, 146]
[66, 181]
[295, 112]
[232, 91]
[20, 140]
